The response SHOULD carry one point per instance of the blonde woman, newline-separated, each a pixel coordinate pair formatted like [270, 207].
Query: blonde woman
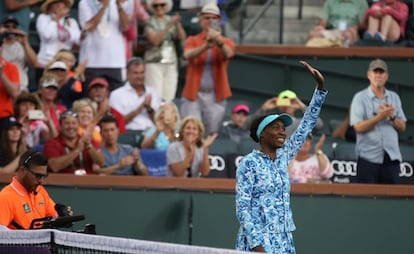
[188, 157]
[86, 111]
[166, 120]
[161, 60]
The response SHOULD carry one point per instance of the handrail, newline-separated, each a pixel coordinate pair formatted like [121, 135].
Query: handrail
[217, 184]
[243, 31]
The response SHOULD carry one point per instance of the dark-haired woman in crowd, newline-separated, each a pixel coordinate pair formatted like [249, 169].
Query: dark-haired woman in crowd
[12, 144]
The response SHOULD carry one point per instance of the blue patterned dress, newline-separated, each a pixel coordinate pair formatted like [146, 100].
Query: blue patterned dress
[263, 190]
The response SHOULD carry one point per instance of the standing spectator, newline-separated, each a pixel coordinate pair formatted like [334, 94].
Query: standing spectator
[262, 181]
[19, 9]
[16, 49]
[120, 159]
[48, 91]
[12, 144]
[136, 101]
[70, 153]
[207, 86]
[385, 21]
[35, 130]
[188, 157]
[131, 35]
[235, 129]
[307, 167]
[161, 57]
[103, 23]
[167, 119]
[340, 20]
[377, 117]
[86, 109]
[99, 93]
[56, 30]
[9, 86]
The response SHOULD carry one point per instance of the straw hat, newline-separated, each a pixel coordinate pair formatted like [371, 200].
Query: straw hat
[45, 6]
[167, 8]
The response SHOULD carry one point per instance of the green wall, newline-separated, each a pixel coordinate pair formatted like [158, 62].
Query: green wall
[325, 224]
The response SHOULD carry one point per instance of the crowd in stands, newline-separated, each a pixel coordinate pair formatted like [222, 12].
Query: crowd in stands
[91, 90]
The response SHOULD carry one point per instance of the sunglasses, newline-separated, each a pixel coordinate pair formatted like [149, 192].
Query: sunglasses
[37, 175]
[159, 5]
[67, 114]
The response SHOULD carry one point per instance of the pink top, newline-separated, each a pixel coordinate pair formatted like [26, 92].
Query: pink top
[398, 10]
[303, 171]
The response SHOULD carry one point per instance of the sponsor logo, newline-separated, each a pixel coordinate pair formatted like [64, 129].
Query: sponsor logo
[344, 168]
[406, 169]
[217, 162]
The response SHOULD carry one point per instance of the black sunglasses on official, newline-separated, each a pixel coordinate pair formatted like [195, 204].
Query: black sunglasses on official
[159, 5]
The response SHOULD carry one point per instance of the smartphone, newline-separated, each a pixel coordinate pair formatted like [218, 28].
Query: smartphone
[283, 102]
[36, 115]
[215, 25]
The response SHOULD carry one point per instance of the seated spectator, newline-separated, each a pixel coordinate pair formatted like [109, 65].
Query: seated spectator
[288, 102]
[86, 110]
[75, 72]
[120, 159]
[339, 22]
[235, 129]
[28, 113]
[99, 93]
[16, 49]
[345, 131]
[12, 144]
[160, 137]
[136, 101]
[47, 92]
[70, 153]
[385, 21]
[68, 92]
[56, 29]
[188, 157]
[307, 167]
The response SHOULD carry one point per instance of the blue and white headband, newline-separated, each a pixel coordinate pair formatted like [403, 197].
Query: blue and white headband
[286, 119]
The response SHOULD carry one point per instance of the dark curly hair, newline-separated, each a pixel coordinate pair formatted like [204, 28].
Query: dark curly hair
[255, 125]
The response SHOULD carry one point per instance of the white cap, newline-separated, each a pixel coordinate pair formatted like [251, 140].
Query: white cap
[58, 65]
[50, 82]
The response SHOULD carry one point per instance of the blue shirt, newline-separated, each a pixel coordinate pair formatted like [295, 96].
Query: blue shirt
[161, 142]
[263, 188]
[383, 137]
[113, 158]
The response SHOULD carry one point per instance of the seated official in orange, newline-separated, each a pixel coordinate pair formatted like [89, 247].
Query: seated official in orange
[25, 198]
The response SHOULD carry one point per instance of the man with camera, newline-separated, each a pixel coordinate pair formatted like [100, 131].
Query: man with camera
[17, 49]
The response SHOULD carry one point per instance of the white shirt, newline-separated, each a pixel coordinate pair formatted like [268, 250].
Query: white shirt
[54, 37]
[104, 47]
[125, 99]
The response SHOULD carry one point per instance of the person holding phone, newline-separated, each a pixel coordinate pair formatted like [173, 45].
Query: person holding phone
[17, 49]
[207, 87]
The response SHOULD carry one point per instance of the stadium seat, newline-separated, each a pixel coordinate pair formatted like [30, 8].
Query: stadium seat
[133, 138]
[246, 145]
[344, 151]
[218, 153]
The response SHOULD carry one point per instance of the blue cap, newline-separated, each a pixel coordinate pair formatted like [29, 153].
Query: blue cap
[285, 118]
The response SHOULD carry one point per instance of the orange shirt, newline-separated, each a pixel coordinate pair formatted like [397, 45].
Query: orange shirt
[96, 134]
[6, 101]
[196, 66]
[16, 204]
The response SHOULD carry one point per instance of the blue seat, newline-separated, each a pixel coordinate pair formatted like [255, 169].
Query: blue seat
[246, 145]
[155, 160]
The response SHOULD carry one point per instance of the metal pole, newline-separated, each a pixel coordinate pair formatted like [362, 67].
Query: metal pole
[281, 18]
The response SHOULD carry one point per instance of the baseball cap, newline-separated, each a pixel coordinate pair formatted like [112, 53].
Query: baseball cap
[283, 99]
[58, 65]
[210, 8]
[6, 123]
[241, 108]
[10, 19]
[97, 82]
[377, 64]
[285, 118]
